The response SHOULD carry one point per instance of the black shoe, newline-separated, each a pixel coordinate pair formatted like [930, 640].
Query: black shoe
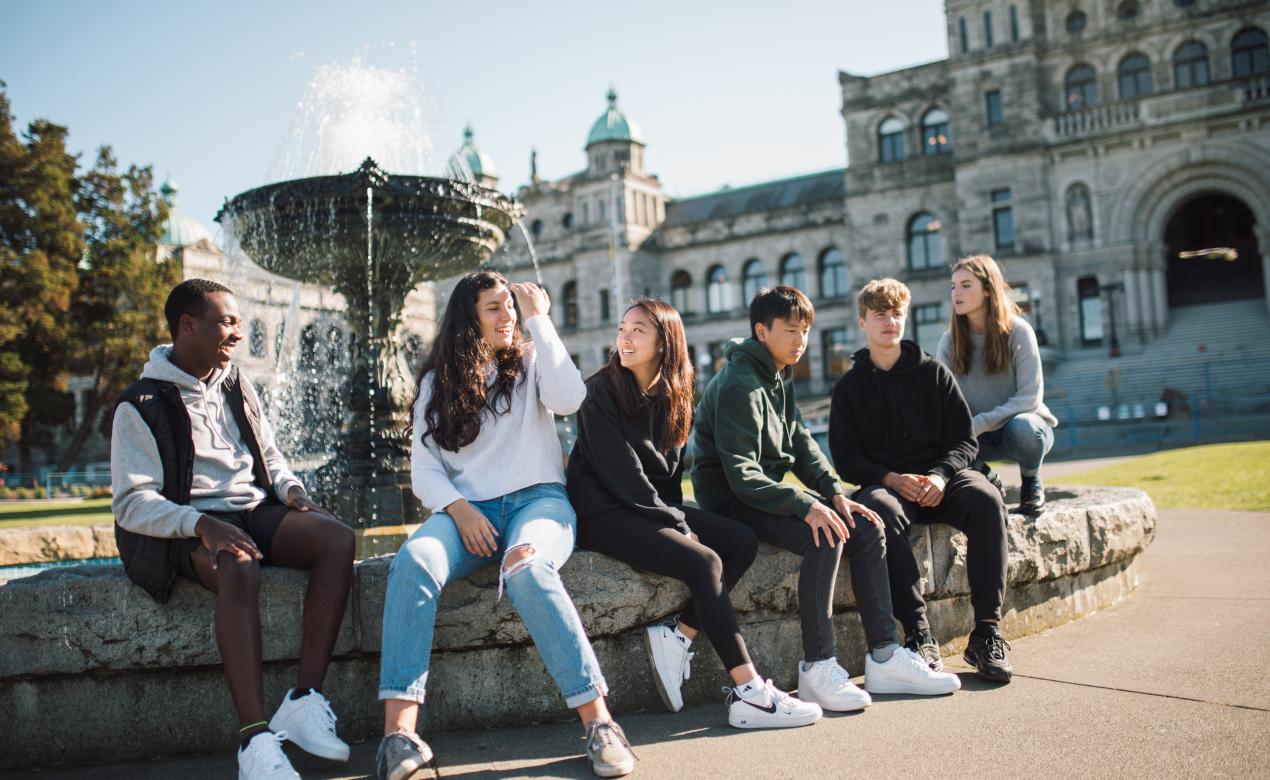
[983, 468]
[1031, 495]
[922, 643]
[986, 652]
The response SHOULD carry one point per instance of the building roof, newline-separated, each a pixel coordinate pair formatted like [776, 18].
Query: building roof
[767, 196]
[613, 125]
[476, 161]
[180, 229]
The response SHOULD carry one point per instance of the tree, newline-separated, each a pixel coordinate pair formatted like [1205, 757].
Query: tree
[43, 243]
[117, 311]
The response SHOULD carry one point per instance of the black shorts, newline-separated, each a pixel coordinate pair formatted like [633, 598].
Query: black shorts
[260, 523]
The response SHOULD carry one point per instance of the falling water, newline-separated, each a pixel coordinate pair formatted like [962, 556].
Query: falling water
[533, 256]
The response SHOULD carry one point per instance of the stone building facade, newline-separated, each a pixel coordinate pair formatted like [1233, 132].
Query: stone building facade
[1091, 146]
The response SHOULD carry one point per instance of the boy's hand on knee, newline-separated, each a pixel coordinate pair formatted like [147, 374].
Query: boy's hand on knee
[298, 500]
[908, 486]
[823, 519]
[846, 507]
[932, 491]
[218, 536]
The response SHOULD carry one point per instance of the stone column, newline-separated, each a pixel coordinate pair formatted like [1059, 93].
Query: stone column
[1133, 325]
[1262, 232]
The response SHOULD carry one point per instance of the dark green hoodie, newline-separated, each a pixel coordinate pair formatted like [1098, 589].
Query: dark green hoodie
[748, 435]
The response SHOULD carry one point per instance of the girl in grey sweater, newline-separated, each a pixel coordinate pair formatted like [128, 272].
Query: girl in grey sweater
[993, 353]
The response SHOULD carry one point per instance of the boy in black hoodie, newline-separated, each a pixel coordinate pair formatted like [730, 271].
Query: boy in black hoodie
[900, 428]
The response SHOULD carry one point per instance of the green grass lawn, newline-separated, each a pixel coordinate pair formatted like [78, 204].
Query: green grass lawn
[1213, 476]
[93, 511]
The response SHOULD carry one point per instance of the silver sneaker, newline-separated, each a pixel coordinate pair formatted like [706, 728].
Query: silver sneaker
[609, 752]
[402, 756]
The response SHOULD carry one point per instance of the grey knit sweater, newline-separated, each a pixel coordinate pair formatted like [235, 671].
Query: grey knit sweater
[996, 398]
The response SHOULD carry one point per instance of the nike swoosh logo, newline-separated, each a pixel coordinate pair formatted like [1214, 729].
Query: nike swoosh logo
[769, 709]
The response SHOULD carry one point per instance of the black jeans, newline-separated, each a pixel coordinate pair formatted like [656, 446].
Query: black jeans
[710, 566]
[866, 554]
[971, 505]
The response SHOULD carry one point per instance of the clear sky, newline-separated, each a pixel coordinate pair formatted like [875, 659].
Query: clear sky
[727, 93]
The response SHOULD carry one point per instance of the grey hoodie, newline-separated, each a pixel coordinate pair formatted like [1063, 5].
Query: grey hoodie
[222, 463]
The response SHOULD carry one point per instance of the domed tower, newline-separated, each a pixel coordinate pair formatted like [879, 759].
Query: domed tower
[180, 229]
[469, 159]
[615, 143]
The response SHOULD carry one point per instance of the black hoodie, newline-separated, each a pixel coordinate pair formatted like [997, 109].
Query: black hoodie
[910, 420]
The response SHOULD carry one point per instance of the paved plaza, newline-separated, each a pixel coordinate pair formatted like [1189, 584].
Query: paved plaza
[1170, 683]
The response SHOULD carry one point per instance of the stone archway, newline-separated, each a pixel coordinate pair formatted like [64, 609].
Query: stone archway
[1212, 220]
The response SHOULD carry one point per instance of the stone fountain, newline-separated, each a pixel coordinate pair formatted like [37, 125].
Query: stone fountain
[371, 236]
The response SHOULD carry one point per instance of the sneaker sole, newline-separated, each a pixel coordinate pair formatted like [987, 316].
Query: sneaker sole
[908, 689]
[617, 770]
[332, 754]
[830, 707]
[415, 773]
[988, 674]
[782, 723]
[661, 687]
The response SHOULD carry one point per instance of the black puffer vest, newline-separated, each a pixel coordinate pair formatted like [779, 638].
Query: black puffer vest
[150, 561]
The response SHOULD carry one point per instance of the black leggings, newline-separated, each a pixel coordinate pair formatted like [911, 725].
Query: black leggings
[710, 567]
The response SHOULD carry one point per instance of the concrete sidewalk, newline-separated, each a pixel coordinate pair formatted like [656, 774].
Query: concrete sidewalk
[1172, 682]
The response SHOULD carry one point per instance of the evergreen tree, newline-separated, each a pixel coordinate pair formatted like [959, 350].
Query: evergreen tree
[117, 312]
[43, 243]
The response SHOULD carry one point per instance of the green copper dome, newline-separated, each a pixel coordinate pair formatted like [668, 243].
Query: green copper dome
[613, 125]
[180, 229]
[477, 161]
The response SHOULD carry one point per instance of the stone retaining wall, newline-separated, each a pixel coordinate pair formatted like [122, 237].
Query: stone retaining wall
[83, 646]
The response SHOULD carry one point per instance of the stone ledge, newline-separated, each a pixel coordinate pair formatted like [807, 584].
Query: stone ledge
[86, 634]
[47, 543]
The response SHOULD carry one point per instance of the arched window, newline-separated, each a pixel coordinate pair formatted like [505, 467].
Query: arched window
[535, 227]
[753, 279]
[935, 136]
[1128, 10]
[891, 140]
[309, 345]
[570, 304]
[718, 293]
[257, 341]
[567, 220]
[925, 248]
[1249, 54]
[833, 273]
[336, 355]
[1190, 65]
[1076, 21]
[794, 271]
[680, 285]
[1080, 223]
[1134, 76]
[1080, 90]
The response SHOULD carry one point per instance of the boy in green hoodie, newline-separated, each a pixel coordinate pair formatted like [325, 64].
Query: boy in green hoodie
[748, 435]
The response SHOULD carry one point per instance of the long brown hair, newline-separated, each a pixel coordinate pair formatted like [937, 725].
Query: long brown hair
[460, 357]
[673, 389]
[997, 320]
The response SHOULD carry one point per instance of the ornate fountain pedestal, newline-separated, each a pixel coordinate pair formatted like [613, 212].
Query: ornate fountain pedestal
[372, 237]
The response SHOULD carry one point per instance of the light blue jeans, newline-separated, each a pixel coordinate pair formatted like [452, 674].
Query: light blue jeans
[539, 517]
[1026, 439]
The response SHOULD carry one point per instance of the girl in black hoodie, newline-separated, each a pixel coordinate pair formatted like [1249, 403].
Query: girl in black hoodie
[624, 480]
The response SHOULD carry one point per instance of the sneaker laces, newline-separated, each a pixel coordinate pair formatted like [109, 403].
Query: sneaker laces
[415, 740]
[913, 659]
[322, 705]
[995, 646]
[837, 676]
[270, 751]
[607, 734]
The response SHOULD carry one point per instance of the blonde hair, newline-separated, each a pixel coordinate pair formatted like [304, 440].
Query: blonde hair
[883, 295]
[1001, 307]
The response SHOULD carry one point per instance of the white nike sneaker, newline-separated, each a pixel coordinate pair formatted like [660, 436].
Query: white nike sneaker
[672, 663]
[907, 672]
[829, 685]
[263, 759]
[771, 709]
[309, 722]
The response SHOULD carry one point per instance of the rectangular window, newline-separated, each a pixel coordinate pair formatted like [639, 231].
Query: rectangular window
[605, 313]
[835, 351]
[1090, 310]
[965, 38]
[926, 325]
[1014, 24]
[1002, 221]
[992, 98]
[987, 29]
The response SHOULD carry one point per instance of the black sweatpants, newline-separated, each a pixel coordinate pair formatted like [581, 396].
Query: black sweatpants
[710, 566]
[818, 574]
[971, 505]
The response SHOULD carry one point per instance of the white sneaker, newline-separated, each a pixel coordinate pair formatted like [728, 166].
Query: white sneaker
[309, 722]
[263, 759]
[907, 672]
[672, 663]
[829, 685]
[771, 709]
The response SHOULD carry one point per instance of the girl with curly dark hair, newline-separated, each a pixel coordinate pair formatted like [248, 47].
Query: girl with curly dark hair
[484, 395]
[625, 474]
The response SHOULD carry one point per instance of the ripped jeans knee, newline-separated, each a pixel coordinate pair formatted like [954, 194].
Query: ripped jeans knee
[515, 560]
